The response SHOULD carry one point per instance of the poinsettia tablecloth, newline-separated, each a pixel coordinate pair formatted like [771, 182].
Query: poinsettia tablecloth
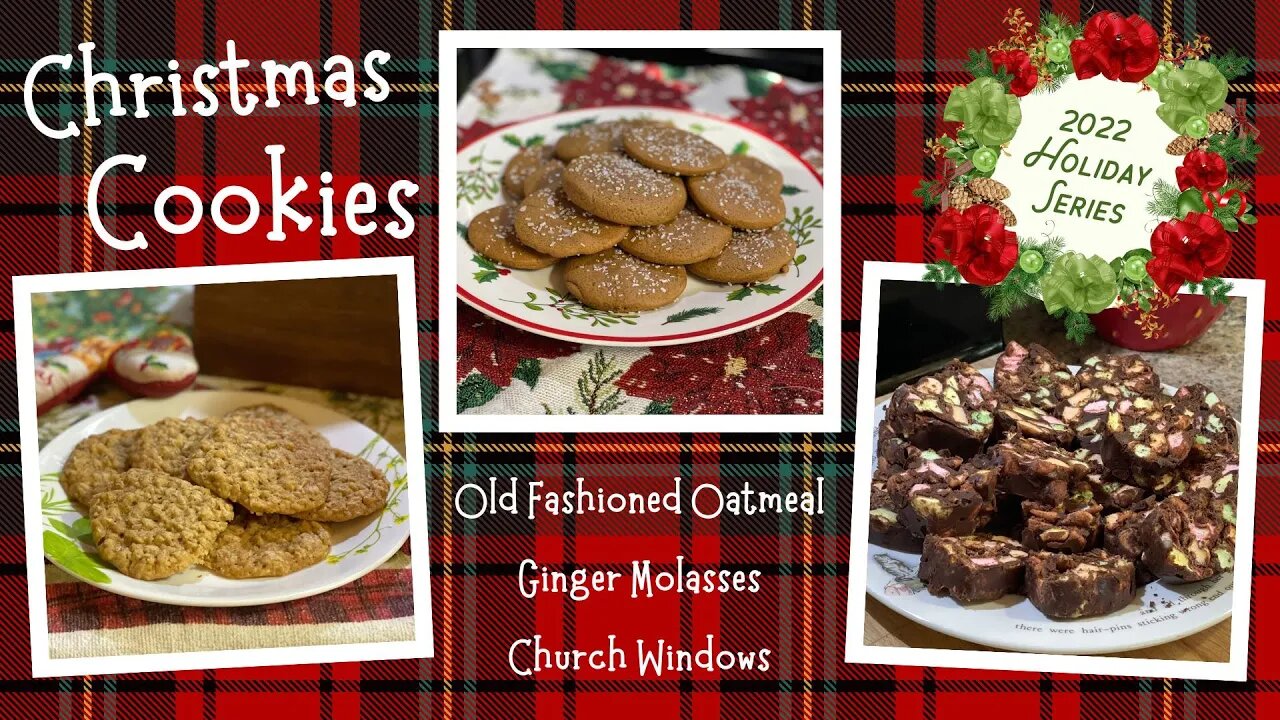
[774, 368]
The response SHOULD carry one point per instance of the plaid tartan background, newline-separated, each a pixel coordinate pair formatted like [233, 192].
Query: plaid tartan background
[899, 60]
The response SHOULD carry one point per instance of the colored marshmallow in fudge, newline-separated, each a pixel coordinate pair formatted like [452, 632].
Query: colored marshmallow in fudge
[973, 568]
[951, 411]
[1216, 431]
[939, 495]
[1031, 422]
[1189, 537]
[1145, 438]
[1108, 492]
[1035, 470]
[1030, 376]
[1081, 585]
[1122, 534]
[1130, 372]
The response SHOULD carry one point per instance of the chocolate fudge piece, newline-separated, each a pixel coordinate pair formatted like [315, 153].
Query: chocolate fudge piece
[1085, 412]
[1031, 422]
[1145, 438]
[1070, 526]
[1216, 431]
[885, 529]
[1189, 537]
[939, 495]
[1083, 585]
[1034, 469]
[1219, 476]
[951, 411]
[1107, 491]
[1122, 535]
[1130, 372]
[893, 449]
[1032, 377]
[974, 568]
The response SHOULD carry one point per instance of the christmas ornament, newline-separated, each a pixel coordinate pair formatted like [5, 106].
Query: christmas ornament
[1196, 127]
[1057, 50]
[984, 159]
[1031, 261]
[1135, 268]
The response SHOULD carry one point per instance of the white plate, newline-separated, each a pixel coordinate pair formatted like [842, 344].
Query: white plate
[535, 300]
[1159, 614]
[359, 545]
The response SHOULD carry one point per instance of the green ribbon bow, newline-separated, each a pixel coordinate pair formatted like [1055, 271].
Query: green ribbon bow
[1194, 90]
[1079, 284]
[989, 114]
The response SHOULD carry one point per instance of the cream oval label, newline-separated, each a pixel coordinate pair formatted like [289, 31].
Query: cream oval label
[1083, 164]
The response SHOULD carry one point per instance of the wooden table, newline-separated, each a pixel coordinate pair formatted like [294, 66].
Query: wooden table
[887, 628]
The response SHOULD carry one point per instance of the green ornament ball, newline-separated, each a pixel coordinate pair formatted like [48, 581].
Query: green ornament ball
[1031, 261]
[984, 159]
[1135, 268]
[1057, 50]
[1196, 127]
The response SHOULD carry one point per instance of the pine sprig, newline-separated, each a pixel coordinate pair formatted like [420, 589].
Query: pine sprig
[1235, 149]
[941, 273]
[979, 65]
[1215, 288]
[1059, 28]
[929, 192]
[1164, 199]
[1020, 288]
[1078, 325]
[1231, 64]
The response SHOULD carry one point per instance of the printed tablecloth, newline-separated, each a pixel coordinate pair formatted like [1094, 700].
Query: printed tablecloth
[774, 368]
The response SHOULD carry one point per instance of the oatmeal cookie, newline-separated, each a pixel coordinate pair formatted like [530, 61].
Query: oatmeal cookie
[356, 488]
[267, 546]
[167, 445]
[157, 525]
[262, 465]
[277, 415]
[96, 460]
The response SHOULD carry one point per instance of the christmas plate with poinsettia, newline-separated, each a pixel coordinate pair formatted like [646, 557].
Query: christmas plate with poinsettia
[359, 545]
[1160, 612]
[536, 300]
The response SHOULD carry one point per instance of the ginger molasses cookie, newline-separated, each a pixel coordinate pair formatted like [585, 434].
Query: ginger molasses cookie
[493, 234]
[157, 525]
[672, 150]
[737, 196]
[595, 138]
[92, 465]
[615, 281]
[615, 187]
[166, 446]
[262, 465]
[757, 170]
[255, 546]
[547, 222]
[548, 175]
[356, 488]
[751, 256]
[689, 238]
[521, 166]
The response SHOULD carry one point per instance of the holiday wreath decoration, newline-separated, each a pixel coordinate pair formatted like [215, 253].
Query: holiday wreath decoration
[1114, 152]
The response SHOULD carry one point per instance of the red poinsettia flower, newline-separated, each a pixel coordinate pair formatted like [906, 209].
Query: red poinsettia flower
[1188, 250]
[1018, 64]
[976, 242]
[614, 83]
[1116, 47]
[1203, 170]
[494, 349]
[791, 118]
[764, 370]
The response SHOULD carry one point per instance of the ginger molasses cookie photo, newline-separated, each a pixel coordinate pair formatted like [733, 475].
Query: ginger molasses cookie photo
[228, 446]
[653, 239]
[1035, 490]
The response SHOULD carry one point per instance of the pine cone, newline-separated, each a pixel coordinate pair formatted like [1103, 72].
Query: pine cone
[1005, 213]
[1221, 122]
[960, 198]
[988, 189]
[1182, 145]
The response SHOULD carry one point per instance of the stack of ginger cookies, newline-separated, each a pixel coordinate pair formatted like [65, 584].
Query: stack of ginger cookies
[246, 495]
[632, 207]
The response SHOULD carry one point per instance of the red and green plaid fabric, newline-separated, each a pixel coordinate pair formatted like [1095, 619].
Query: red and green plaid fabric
[898, 61]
